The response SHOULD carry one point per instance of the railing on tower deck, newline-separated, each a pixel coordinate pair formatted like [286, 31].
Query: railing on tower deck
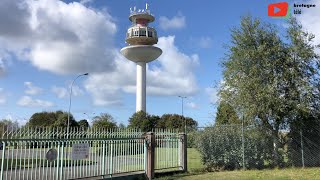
[46, 153]
[137, 31]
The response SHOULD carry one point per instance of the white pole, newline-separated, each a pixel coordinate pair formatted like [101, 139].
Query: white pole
[185, 121]
[141, 87]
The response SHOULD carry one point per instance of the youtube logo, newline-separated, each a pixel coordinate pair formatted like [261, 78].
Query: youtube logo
[278, 9]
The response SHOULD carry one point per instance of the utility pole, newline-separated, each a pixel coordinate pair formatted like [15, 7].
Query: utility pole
[185, 123]
[243, 163]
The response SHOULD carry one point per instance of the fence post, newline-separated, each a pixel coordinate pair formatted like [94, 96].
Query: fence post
[103, 170]
[183, 152]
[302, 153]
[242, 139]
[58, 161]
[3, 157]
[62, 161]
[111, 160]
[151, 144]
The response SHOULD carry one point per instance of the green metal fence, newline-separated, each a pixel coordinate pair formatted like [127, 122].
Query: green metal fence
[51, 153]
[167, 149]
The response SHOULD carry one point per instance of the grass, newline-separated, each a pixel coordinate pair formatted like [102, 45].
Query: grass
[194, 160]
[281, 174]
[196, 172]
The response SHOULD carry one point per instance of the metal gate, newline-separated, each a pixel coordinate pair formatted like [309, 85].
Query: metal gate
[52, 154]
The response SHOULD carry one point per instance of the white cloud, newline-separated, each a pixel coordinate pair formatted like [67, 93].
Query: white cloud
[9, 117]
[56, 36]
[86, 1]
[62, 92]
[77, 91]
[3, 96]
[2, 67]
[213, 94]
[177, 22]
[309, 19]
[107, 88]
[31, 89]
[70, 38]
[175, 75]
[172, 76]
[27, 101]
[192, 105]
[205, 42]
[5, 61]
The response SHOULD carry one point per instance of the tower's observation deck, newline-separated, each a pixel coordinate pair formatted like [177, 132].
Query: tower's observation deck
[141, 38]
[139, 33]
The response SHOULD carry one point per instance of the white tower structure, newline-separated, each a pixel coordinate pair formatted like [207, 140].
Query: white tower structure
[141, 38]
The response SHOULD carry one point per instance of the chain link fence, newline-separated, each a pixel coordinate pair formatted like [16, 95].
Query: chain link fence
[229, 147]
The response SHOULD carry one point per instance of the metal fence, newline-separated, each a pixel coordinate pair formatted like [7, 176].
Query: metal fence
[46, 153]
[167, 149]
[254, 147]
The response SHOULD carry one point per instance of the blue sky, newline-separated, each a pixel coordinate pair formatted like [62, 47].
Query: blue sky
[45, 44]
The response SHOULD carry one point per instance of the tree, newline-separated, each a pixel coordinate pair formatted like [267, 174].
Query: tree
[83, 124]
[305, 132]
[43, 119]
[7, 125]
[175, 121]
[121, 125]
[105, 121]
[226, 114]
[269, 78]
[220, 148]
[51, 119]
[147, 122]
[62, 121]
[305, 127]
[143, 121]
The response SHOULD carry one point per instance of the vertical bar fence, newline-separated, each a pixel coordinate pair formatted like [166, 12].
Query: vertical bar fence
[167, 154]
[47, 153]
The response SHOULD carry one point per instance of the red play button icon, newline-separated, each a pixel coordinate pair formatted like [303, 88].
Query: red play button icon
[278, 9]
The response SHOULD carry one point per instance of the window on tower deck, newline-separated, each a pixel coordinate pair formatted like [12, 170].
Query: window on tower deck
[149, 33]
[142, 32]
[136, 32]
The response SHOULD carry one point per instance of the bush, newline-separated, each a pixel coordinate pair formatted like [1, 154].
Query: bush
[309, 129]
[192, 139]
[221, 148]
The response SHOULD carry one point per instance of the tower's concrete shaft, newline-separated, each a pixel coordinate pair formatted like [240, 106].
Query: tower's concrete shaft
[141, 87]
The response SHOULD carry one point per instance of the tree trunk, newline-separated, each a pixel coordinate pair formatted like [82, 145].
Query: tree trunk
[278, 159]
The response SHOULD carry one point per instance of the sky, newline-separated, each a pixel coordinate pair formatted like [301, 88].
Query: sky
[46, 44]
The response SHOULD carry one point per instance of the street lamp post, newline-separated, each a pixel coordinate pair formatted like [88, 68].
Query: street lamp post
[185, 123]
[68, 125]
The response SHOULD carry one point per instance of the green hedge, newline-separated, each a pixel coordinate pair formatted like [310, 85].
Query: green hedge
[221, 148]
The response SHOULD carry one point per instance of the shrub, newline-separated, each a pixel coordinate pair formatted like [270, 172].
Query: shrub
[306, 130]
[221, 148]
[192, 139]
